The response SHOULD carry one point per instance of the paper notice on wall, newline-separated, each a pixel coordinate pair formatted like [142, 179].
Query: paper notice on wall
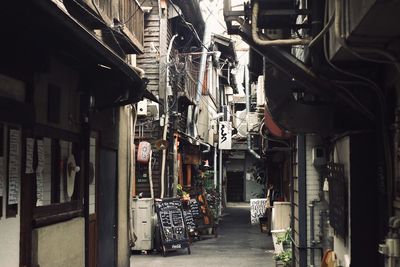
[39, 188]
[30, 143]
[40, 172]
[40, 151]
[14, 166]
[1, 176]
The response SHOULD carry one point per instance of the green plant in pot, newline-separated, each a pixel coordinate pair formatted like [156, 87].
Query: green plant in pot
[284, 259]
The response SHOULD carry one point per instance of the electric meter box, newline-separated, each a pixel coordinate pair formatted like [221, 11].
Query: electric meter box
[143, 223]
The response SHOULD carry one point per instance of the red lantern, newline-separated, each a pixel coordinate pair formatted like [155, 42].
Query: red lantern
[143, 154]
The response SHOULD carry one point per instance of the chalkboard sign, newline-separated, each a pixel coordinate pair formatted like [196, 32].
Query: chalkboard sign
[172, 224]
[189, 220]
[195, 208]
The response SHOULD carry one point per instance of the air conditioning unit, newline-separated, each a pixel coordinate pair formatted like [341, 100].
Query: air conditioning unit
[143, 222]
[260, 91]
[142, 108]
[148, 108]
[253, 121]
[240, 123]
[153, 110]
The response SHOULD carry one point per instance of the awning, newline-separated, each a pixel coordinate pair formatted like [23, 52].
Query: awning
[95, 47]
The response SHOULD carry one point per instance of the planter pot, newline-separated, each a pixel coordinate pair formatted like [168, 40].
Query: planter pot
[275, 235]
[280, 264]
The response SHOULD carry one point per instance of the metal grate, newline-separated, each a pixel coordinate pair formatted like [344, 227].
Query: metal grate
[338, 203]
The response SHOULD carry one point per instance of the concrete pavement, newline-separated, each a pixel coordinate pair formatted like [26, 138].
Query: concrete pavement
[238, 245]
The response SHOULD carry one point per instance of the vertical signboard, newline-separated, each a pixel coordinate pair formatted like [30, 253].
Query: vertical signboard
[225, 135]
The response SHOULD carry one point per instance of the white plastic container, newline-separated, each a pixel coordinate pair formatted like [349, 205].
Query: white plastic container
[275, 235]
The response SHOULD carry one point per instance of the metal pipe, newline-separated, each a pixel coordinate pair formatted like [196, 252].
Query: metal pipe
[380, 96]
[215, 166]
[312, 255]
[247, 89]
[259, 41]
[302, 208]
[203, 61]
[220, 182]
[166, 120]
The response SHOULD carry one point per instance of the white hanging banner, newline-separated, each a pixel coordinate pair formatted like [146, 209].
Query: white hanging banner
[225, 135]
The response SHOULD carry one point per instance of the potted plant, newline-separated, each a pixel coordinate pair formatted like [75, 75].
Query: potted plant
[284, 257]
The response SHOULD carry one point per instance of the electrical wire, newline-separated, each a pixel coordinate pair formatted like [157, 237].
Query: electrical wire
[381, 103]
[321, 34]
[131, 16]
[189, 25]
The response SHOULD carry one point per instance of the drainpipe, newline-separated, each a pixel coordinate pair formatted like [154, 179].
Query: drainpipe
[220, 182]
[203, 61]
[247, 89]
[312, 255]
[215, 166]
[166, 121]
[259, 41]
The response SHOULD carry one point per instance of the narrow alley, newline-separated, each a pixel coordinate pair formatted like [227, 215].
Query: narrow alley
[238, 244]
[201, 133]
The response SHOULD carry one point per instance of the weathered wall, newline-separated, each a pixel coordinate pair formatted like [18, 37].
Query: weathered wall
[9, 240]
[252, 189]
[313, 188]
[9, 227]
[66, 79]
[61, 244]
[342, 155]
[123, 188]
[153, 62]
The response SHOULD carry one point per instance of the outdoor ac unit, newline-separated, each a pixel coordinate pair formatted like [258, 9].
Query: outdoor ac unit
[148, 108]
[241, 123]
[260, 91]
[142, 108]
[143, 223]
[153, 110]
[253, 121]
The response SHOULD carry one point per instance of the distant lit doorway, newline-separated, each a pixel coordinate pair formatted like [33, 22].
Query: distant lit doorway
[235, 186]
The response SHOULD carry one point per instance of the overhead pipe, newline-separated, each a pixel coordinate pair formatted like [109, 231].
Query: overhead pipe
[247, 89]
[259, 41]
[166, 120]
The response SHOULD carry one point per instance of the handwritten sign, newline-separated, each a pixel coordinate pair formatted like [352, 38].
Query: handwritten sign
[30, 143]
[257, 209]
[225, 135]
[189, 220]
[14, 166]
[172, 222]
[195, 209]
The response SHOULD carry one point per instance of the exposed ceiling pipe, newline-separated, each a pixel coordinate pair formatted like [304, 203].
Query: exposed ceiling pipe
[259, 41]
[247, 89]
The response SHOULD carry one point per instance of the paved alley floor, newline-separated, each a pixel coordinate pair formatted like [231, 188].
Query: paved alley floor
[238, 245]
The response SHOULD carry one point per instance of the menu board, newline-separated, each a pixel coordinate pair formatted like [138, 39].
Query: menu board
[189, 220]
[195, 208]
[257, 209]
[172, 224]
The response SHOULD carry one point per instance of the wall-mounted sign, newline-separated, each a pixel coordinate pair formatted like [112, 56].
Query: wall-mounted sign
[225, 135]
